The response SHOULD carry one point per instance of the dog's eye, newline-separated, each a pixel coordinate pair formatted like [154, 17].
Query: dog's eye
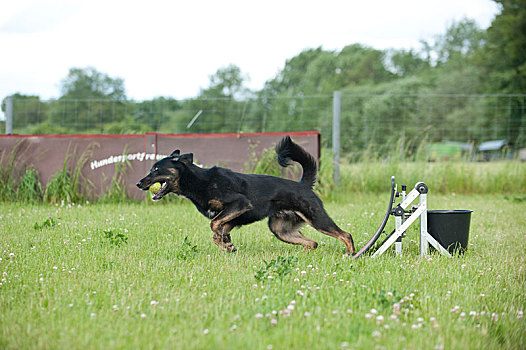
[155, 169]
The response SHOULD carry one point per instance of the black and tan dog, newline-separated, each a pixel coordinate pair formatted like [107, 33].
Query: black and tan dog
[233, 199]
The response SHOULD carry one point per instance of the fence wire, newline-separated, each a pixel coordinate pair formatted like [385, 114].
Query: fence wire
[381, 123]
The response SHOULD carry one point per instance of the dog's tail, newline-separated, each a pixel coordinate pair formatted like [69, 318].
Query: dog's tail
[289, 151]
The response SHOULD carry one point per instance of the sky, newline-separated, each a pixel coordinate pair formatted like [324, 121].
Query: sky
[172, 47]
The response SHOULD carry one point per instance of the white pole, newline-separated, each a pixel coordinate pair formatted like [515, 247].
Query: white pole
[9, 115]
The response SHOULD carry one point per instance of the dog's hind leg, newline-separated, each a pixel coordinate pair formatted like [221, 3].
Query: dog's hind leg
[323, 223]
[285, 227]
[220, 223]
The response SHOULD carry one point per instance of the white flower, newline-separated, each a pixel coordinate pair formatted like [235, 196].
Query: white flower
[259, 316]
[379, 319]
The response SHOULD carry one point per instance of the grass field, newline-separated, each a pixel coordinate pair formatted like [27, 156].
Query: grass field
[140, 276]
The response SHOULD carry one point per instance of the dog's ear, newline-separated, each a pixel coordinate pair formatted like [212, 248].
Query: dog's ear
[187, 158]
[175, 154]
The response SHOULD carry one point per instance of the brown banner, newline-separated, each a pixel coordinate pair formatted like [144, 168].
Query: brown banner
[100, 154]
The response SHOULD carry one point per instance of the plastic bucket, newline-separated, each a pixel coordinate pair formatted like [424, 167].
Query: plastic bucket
[450, 228]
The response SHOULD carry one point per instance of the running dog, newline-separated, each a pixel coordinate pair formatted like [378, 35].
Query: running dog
[232, 199]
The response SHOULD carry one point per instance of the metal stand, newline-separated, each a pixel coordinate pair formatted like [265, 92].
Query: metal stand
[404, 219]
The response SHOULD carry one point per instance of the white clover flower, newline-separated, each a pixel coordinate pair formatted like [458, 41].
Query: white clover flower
[379, 319]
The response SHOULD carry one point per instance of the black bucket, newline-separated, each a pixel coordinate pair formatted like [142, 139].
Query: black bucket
[450, 228]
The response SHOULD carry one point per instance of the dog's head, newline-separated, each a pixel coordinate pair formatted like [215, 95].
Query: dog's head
[167, 172]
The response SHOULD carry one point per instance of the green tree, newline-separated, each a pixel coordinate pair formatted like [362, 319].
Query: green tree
[83, 83]
[461, 40]
[503, 58]
[220, 106]
[406, 62]
[90, 100]
[28, 111]
[227, 82]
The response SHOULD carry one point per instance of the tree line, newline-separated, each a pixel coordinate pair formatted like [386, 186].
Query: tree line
[465, 60]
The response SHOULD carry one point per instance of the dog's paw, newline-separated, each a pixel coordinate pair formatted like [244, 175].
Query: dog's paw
[230, 248]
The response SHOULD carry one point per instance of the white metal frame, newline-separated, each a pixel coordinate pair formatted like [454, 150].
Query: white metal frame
[402, 223]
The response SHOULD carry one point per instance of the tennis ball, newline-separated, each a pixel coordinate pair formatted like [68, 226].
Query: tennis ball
[155, 187]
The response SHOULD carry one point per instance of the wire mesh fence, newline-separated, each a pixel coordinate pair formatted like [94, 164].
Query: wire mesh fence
[380, 123]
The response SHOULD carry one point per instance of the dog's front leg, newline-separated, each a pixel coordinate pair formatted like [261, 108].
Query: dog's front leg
[223, 240]
[220, 224]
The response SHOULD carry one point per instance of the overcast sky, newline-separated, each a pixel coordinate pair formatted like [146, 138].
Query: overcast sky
[170, 48]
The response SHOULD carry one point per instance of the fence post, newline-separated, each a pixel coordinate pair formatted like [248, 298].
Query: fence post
[336, 118]
[9, 115]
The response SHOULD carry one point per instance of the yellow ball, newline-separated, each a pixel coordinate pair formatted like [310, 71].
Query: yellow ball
[155, 187]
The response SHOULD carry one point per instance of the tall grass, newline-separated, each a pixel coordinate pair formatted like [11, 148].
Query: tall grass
[18, 180]
[372, 174]
[265, 164]
[441, 177]
[29, 189]
[8, 174]
[368, 174]
[116, 190]
[68, 184]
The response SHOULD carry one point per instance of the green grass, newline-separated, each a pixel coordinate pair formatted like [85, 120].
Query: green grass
[137, 276]
[442, 177]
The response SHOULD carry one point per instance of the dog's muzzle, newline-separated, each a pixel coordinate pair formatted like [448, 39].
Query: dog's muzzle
[141, 184]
